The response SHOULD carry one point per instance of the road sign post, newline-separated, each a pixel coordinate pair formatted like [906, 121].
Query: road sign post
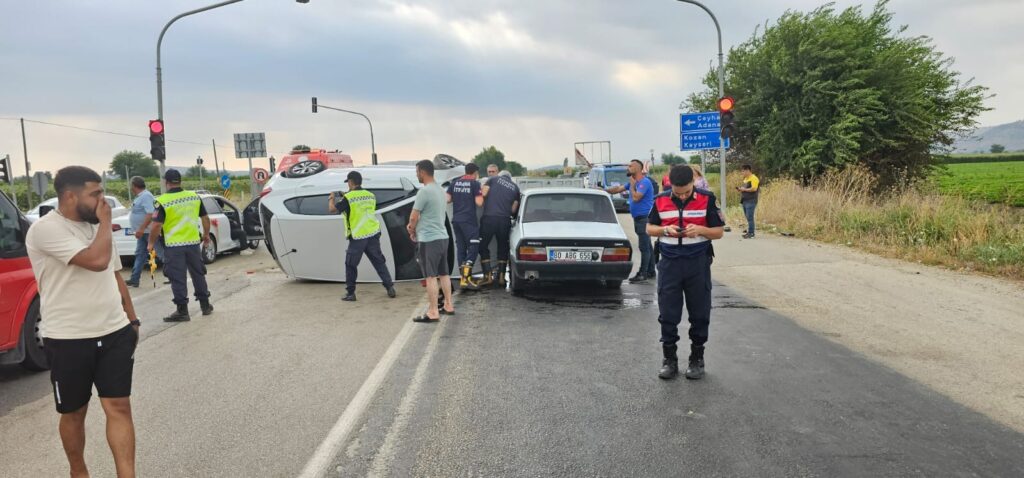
[40, 183]
[700, 131]
[250, 145]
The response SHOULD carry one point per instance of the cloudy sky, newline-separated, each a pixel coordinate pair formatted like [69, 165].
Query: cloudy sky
[528, 76]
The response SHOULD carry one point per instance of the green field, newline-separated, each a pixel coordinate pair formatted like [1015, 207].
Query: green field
[991, 182]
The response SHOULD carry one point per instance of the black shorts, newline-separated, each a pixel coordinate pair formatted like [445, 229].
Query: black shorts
[78, 364]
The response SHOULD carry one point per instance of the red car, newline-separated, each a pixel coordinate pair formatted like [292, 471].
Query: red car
[300, 161]
[20, 342]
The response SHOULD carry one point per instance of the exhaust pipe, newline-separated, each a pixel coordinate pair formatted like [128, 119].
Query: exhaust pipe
[532, 275]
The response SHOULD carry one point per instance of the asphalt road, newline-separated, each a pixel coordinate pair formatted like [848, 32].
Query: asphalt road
[287, 380]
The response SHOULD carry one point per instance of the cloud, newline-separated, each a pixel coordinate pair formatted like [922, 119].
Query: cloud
[641, 78]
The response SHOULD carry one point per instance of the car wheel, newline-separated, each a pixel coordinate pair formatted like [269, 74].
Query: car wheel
[210, 251]
[613, 284]
[254, 244]
[31, 336]
[305, 169]
[515, 284]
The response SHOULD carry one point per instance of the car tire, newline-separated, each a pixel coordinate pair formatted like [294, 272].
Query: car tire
[254, 244]
[127, 261]
[306, 169]
[515, 284]
[35, 357]
[613, 284]
[210, 251]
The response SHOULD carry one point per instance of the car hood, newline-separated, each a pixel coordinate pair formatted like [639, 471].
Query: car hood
[572, 230]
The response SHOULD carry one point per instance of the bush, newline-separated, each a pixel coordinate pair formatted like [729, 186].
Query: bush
[981, 158]
[907, 224]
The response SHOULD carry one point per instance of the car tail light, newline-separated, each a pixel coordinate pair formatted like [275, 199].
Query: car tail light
[615, 254]
[116, 227]
[536, 254]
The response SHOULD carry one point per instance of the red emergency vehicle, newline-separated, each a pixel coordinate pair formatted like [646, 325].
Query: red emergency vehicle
[302, 154]
[20, 342]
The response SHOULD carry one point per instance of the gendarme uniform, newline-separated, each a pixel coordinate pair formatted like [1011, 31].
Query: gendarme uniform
[180, 213]
[684, 270]
[363, 232]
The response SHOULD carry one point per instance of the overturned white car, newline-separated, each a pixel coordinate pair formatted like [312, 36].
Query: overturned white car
[308, 241]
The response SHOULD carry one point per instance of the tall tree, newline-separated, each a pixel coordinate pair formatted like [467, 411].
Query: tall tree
[827, 89]
[490, 155]
[997, 148]
[137, 164]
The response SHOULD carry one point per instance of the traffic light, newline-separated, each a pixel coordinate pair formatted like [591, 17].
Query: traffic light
[156, 140]
[726, 117]
[5, 170]
[314, 104]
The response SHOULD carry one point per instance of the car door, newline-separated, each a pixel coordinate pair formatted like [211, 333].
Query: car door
[234, 220]
[251, 223]
[15, 271]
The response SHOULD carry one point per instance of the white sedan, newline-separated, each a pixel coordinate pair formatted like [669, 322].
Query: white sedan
[563, 234]
[116, 208]
[226, 232]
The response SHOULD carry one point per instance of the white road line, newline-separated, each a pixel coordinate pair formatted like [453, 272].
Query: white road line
[386, 453]
[317, 465]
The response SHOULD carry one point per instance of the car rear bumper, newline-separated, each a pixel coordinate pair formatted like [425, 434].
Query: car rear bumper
[551, 271]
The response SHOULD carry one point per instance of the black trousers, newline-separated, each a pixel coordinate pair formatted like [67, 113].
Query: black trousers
[491, 227]
[354, 255]
[181, 262]
[684, 281]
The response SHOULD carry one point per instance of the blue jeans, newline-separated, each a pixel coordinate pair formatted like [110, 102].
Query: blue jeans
[748, 210]
[142, 256]
[646, 254]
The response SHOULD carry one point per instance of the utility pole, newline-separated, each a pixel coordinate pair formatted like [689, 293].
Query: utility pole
[10, 174]
[216, 164]
[28, 166]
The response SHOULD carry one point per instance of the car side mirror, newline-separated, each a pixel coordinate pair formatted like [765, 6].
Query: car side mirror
[44, 210]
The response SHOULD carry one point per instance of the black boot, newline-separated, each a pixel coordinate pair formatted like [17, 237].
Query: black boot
[206, 307]
[695, 369]
[670, 366]
[179, 315]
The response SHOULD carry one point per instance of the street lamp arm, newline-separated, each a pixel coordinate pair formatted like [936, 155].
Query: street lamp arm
[373, 147]
[718, 28]
[160, 40]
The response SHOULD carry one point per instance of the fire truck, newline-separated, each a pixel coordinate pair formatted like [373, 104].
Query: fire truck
[303, 157]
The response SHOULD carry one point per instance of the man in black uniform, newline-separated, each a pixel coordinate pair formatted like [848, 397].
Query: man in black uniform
[501, 202]
[685, 220]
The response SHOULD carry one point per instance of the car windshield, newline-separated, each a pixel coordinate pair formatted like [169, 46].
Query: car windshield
[568, 207]
[615, 177]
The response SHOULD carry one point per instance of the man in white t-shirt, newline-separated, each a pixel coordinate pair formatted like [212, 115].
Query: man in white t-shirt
[89, 326]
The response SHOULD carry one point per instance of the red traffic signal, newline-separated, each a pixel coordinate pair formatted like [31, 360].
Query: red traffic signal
[156, 126]
[726, 103]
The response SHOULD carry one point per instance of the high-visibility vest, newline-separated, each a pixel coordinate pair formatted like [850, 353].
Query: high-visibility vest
[361, 219]
[694, 211]
[181, 226]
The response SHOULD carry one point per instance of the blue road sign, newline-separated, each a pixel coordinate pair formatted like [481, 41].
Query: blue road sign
[700, 131]
[225, 181]
[698, 122]
[702, 140]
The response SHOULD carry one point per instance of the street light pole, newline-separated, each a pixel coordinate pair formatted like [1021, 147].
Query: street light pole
[721, 93]
[373, 147]
[159, 70]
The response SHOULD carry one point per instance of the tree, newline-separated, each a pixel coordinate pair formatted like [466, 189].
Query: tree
[828, 89]
[137, 164]
[672, 159]
[695, 159]
[193, 172]
[490, 155]
[515, 168]
[997, 148]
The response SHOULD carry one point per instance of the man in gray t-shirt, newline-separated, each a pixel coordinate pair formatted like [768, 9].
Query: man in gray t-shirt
[426, 228]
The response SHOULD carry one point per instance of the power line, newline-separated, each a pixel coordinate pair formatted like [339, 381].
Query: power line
[116, 133]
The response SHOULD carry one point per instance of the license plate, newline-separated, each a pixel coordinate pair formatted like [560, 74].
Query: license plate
[129, 232]
[557, 255]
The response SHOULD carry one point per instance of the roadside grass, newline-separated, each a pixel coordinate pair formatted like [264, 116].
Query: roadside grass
[995, 182]
[238, 194]
[934, 229]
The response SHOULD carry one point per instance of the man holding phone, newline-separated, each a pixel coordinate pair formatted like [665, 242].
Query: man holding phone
[641, 200]
[685, 220]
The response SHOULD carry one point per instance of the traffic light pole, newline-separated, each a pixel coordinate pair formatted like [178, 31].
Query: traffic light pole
[159, 73]
[721, 93]
[373, 147]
